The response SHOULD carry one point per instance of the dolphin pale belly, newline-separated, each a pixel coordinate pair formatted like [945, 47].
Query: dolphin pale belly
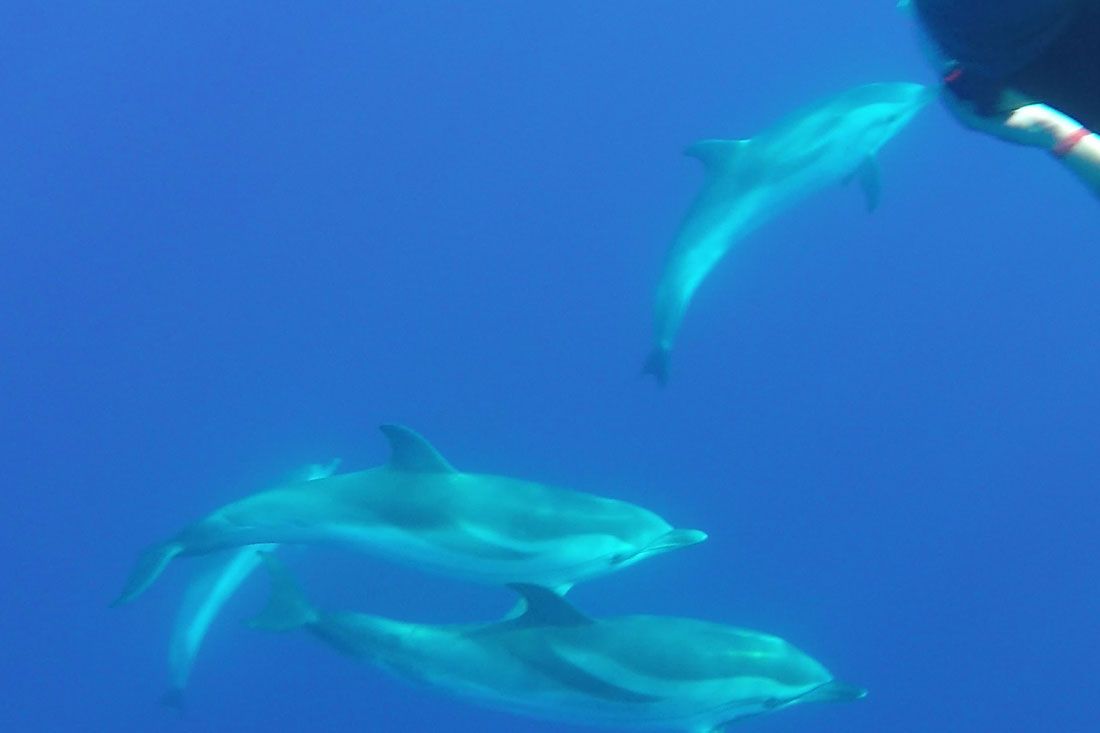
[418, 509]
[749, 182]
[552, 662]
[207, 594]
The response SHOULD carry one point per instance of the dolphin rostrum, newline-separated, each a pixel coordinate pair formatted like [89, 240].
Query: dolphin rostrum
[554, 663]
[207, 594]
[749, 182]
[417, 508]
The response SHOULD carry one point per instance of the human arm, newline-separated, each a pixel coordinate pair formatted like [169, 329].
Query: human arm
[1078, 148]
[1037, 125]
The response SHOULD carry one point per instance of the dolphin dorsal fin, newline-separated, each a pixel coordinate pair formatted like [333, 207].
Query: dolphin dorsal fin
[546, 608]
[717, 155]
[410, 452]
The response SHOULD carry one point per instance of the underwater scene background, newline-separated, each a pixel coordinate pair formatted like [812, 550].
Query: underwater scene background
[239, 236]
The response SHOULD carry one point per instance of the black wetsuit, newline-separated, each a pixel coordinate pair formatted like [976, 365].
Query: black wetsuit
[1011, 52]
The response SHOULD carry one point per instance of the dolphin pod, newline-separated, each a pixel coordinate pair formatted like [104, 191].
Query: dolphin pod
[546, 659]
[205, 597]
[555, 663]
[749, 182]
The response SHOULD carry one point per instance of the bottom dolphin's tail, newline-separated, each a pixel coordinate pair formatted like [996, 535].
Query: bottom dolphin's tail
[149, 567]
[287, 608]
[657, 364]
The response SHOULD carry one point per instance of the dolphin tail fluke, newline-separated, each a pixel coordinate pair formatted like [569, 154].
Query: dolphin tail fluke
[149, 567]
[657, 365]
[287, 608]
[173, 699]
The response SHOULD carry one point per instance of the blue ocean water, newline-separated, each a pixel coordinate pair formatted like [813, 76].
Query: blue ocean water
[239, 236]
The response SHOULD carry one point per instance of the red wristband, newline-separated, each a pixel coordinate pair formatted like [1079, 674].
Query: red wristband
[1069, 142]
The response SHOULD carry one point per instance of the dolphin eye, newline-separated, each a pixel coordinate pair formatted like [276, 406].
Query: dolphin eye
[770, 703]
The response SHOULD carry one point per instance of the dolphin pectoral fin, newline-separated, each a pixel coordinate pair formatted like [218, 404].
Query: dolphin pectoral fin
[871, 182]
[287, 608]
[410, 452]
[671, 540]
[544, 607]
[657, 365]
[149, 567]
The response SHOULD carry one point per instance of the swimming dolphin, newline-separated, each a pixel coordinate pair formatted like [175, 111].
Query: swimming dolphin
[749, 182]
[417, 508]
[555, 663]
[205, 597]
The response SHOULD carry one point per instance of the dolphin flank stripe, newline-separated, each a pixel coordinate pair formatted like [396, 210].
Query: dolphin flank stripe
[573, 677]
[759, 691]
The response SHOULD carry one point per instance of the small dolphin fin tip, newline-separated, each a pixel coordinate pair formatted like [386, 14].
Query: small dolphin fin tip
[544, 607]
[656, 365]
[410, 452]
[149, 567]
[317, 471]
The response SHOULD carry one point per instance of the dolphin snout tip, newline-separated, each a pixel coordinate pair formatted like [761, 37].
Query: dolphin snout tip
[838, 691]
[926, 93]
[695, 536]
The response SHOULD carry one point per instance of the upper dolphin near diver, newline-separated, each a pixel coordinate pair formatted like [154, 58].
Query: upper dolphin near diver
[553, 662]
[417, 508]
[749, 182]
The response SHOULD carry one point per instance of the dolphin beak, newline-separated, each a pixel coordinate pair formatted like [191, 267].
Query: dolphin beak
[833, 691]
